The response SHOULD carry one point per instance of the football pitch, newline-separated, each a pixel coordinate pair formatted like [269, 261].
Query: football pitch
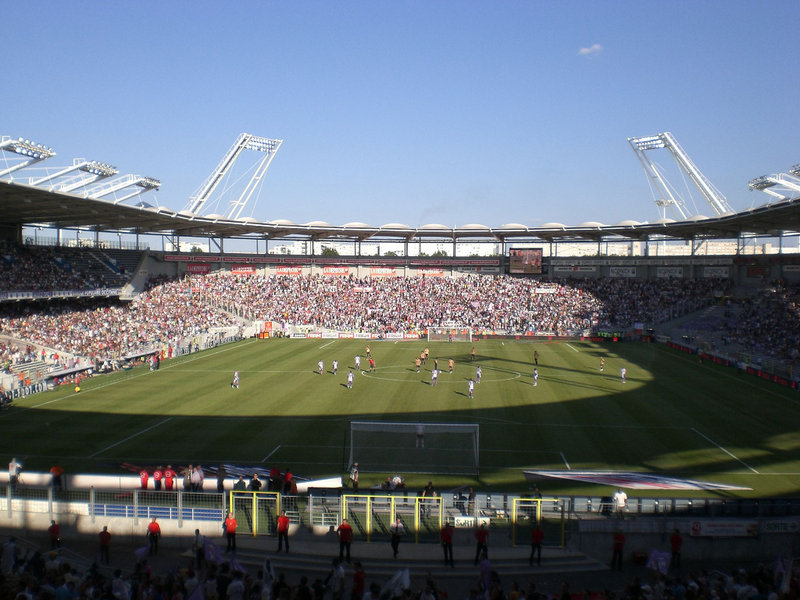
[674, 416]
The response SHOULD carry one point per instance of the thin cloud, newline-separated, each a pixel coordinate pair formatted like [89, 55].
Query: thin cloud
[593, 49]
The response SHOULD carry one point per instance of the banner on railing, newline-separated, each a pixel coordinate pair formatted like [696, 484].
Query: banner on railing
[716, 528]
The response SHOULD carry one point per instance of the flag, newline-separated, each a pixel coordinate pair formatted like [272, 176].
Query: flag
[659, 561]
[269, 574]
[236, 566]
[213, 553]
[399, 582]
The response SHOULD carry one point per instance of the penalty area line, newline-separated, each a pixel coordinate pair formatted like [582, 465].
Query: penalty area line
[130, 437]
[274, 450]
[566, 463]
[731, 454]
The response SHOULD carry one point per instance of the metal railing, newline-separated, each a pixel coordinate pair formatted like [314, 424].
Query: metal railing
[372, 513]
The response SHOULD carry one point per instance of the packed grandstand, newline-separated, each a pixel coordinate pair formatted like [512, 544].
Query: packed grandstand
[73, 316]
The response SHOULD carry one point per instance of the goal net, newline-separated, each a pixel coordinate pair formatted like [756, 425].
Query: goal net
[450, 334]
[391, 447]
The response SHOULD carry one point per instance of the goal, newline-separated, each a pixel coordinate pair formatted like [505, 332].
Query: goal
[450, 334]
[394, 447]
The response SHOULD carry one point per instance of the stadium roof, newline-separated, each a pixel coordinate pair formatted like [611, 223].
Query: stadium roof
[25, 205]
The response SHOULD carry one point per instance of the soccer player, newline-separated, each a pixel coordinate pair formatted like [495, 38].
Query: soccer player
[367, 351]
[358, 361]
[354, 476]
[602, 364]
[471, 387]
[349, 380]
[422, 357]
[450, 365]
[335, 367]
[478, 374]
[320, 367]
[235, 382]
[623, 374]
[536, 357]
[434, 376]
[472, 355]
[535, 377]
[371, 365]
[417, 363]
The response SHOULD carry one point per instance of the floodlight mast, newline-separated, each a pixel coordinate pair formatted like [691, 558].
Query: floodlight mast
[245, 141]
[713, 196]
[120, 183]
[96, 170]
[788, 184]
[667, 199]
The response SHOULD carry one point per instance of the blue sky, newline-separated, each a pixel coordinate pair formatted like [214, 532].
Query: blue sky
[413, 112]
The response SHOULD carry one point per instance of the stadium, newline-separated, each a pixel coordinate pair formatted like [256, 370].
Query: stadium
[132, 339]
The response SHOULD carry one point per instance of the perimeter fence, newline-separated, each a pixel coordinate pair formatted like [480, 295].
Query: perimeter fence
[372, 512]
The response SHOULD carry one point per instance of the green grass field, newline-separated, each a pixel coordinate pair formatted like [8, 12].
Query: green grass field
[674, 416]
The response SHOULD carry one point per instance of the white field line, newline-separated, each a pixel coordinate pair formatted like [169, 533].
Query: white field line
[566, 464]
[731, 454]
[572, 348]
[326, 345]
[274, 450]
[130, 437]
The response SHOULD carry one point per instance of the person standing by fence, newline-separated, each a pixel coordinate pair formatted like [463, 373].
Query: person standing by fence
[345, 532]
[397, 529]
[153, 533]
[446, 535]
[283, 531]
[105, 544]
[230, 533]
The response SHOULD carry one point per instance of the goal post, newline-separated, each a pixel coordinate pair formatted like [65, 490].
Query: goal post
[415, 447]
[454, 333]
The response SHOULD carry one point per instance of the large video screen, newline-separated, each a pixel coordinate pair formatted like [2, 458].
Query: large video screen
[525, 260]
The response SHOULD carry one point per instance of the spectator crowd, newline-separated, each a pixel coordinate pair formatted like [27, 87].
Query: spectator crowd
[170, 312]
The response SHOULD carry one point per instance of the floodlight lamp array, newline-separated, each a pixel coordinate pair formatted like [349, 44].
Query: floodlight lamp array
[149, 183]
[795, 170]
[28, 148]
[261, 144]
[100, 169]
[761, 183]
[650, 142]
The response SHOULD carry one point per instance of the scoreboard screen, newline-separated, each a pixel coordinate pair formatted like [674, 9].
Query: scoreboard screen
[525, 260]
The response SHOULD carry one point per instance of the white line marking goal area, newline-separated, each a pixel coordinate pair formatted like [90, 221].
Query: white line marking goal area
[130, 437]
[729, 453]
